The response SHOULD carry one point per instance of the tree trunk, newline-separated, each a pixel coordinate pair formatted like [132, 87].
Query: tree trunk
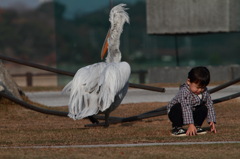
[7, 83]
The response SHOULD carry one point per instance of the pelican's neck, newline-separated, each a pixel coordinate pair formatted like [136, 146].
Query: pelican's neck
[118, 17]
[114, 54]
[114, 57]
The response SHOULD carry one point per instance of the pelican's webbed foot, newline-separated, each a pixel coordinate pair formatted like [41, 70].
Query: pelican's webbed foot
[93, 120]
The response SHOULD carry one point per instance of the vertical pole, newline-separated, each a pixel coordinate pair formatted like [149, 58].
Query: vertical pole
[29, 79]
[176, 50]
[142, 76]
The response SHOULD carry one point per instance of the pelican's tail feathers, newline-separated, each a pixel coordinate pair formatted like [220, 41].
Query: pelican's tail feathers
[81, 106]
[81, 103]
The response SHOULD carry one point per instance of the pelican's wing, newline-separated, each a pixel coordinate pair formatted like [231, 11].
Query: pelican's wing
[112, 81]
[83, 90]
[94, 88]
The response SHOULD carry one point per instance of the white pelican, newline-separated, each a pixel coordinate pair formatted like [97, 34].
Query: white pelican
[101, 87]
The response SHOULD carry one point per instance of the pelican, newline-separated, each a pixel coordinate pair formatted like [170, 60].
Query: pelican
[101, 87]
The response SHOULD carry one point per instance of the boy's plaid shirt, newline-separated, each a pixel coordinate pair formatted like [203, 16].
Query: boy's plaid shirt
[189, 100]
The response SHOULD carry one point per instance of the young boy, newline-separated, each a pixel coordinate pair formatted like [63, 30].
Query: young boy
[192, 105]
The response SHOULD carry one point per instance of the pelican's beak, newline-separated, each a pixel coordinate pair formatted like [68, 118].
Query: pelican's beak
[105, 46]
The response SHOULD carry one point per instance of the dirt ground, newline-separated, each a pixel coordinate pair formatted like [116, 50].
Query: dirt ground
[24, 127]
[21, 126]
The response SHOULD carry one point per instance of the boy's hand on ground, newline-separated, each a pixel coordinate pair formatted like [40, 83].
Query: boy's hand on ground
[191, 131]
[213, 127]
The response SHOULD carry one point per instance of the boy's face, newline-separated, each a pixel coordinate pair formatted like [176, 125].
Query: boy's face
[195, 87]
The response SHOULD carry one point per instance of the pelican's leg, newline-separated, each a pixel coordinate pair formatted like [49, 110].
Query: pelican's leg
[93, 120]
[106, 120]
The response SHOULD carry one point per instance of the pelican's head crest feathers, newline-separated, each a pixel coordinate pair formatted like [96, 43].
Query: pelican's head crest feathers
[118, 13]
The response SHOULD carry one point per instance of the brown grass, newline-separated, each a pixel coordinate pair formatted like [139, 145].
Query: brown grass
[23, 127]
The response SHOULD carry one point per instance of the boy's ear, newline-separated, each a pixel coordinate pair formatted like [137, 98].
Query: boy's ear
[188, 81]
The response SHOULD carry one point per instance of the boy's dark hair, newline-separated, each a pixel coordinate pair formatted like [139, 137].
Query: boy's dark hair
[199, 75]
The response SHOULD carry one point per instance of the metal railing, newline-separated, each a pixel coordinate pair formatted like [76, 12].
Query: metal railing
[29, 76]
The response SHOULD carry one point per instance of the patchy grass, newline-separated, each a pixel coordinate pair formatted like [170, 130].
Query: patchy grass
[220, 151]
[23, 127]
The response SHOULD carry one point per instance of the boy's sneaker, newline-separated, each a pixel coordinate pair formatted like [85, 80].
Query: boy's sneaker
[200, 130]
[178, 131]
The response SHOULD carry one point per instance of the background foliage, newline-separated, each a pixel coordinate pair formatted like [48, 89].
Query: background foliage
[46, 35]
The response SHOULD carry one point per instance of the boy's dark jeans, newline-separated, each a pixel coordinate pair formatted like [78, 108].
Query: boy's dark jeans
[199, 115]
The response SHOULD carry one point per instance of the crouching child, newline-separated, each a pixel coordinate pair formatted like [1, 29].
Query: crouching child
[192, 105]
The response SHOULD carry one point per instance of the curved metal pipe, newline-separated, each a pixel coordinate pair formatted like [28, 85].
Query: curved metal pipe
[32, 107]
[112, 120]
[54, 70]
[222, 86]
